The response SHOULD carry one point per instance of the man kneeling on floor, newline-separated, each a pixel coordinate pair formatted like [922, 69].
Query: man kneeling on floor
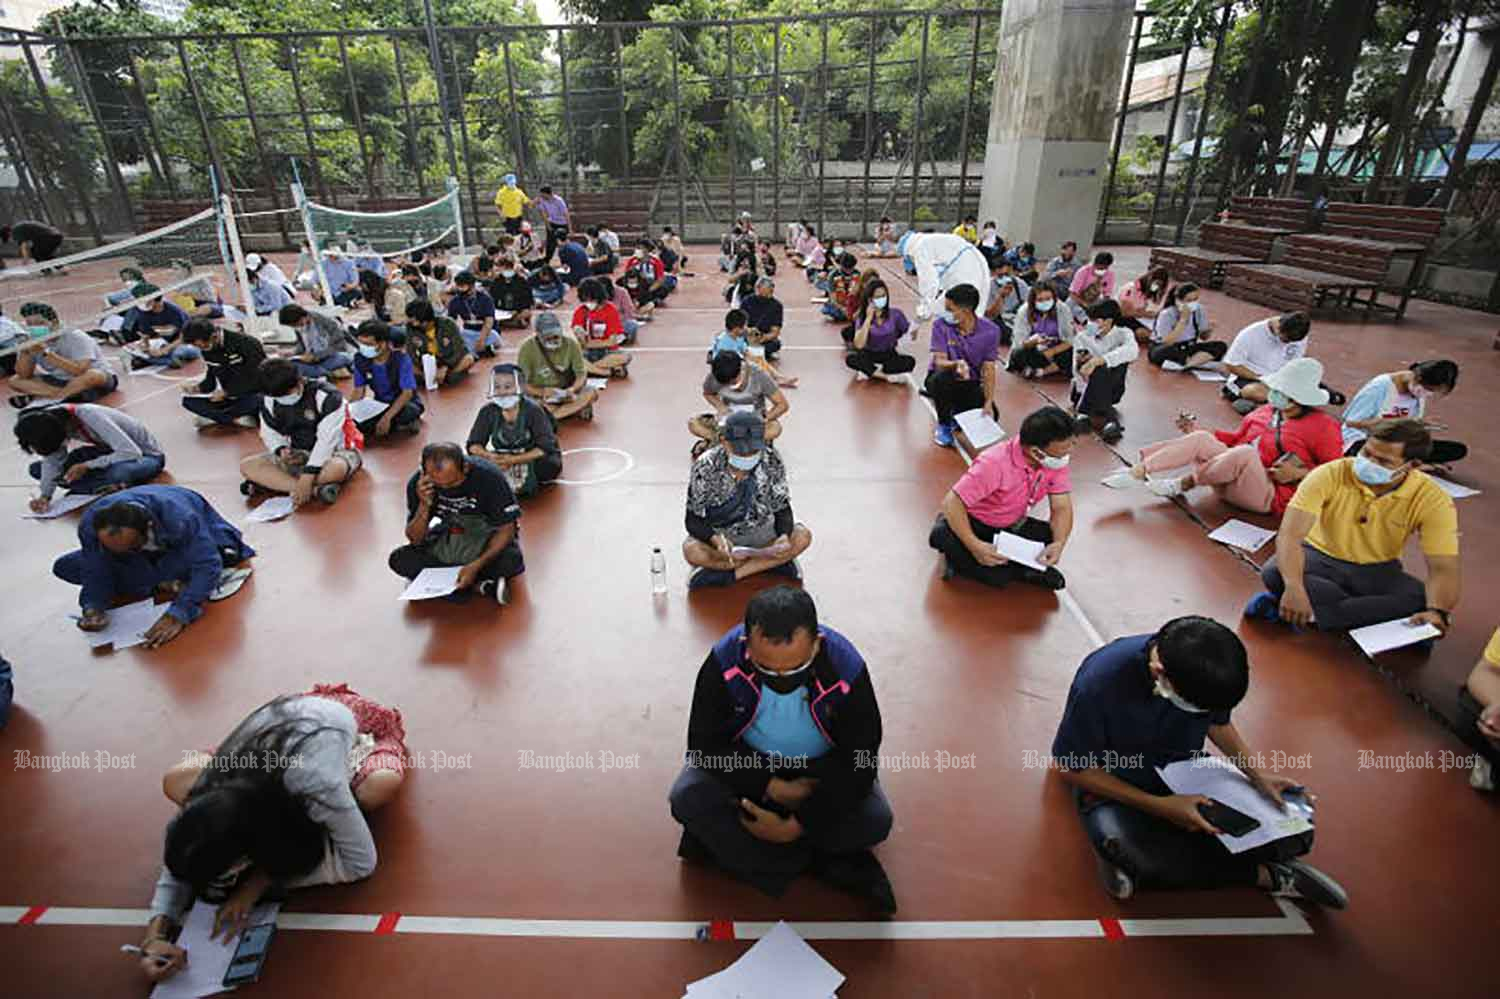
[461, 512]
[115, 450]
[1145, 701]
[162, 540]
[739, 509]
[783, 742]
[303, 424]
[995, 495]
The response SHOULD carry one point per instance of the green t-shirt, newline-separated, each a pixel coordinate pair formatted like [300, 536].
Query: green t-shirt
[555, 369]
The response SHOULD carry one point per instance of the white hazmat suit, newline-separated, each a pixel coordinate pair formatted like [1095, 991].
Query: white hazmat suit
[942, 261]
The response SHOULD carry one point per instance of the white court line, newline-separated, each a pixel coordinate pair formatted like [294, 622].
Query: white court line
[629, 464]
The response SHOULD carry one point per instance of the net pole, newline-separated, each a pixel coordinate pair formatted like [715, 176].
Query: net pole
[233, 232]
[299, 195]
[458, 220]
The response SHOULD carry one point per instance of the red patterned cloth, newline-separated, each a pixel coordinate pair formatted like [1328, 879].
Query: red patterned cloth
[381, 723]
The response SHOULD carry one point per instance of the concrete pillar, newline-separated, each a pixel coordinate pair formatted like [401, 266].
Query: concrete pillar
[1057, 87]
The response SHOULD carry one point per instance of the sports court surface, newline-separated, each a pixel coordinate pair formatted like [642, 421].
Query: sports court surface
[994, 876]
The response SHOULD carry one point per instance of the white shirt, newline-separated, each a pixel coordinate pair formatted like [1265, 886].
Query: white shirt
[1258, 348]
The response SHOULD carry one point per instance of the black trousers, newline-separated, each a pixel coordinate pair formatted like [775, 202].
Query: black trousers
[892, 362]
[962, 560]
[1179, 352]
[1106, 387]
[226, 411]
[1443, 452]
[410, 413]
[45, 248]
[1032, 357]
[950, 394]
[409, 561]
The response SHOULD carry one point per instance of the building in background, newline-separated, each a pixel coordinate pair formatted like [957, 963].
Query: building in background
[25, 15]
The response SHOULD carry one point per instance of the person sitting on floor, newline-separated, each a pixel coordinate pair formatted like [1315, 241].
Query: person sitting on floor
[1403, 395]
[1338, 553]
[1102, 352]
[599, 330]
[229, 394]
[885, 238]
[1257, 466]
[1022, 257]
[1259, 349]
[162, 540]
[736, 336]
[1179, 336]
[840, 288]
[342, 276]
[546, 288]
[129, 278]
[555, 372]
[516, 434]
[158, 324]
[795, 698]
[511, 293]
[1145, 701]
[1141, 300]
[574, 260]
[739, 509]
[621, 300]
[437, 337]
[735, 386]
[473, 310]
[279, 805]
[461, 512]
[1007, 294]
[652, 285]
[1094, 281]
[995, 494]
[385, 370]
[1044, 336]
[1061, 269]
[322, 343]
[1479, 715]
[66, 367]
[115, 450]
[878, 329]
[303, 425]
[267, 296]
[965, 351]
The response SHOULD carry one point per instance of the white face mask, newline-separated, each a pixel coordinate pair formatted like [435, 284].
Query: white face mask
[949, 317]
[881, 302]
[507, 274]
[290, 399]
[368, 351]
[508, 401]
[1161, 688]
[1045, 305]
[1050, 461]
[744, 462]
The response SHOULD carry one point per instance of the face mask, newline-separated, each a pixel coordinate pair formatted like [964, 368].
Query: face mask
[744, 462]
[1050, 461]
[552, 343]
[508, 401]
[1370, 473]
[785, 683]
[39, 330]
[1163, 689]
[367, 350]
[507, 274]
[756, 350]
[1156, 289]
[1045, 306]
[1278, 400]
[949, 317]
[1417, 391]
[290, 399]
[1195, 306]
[881, 302]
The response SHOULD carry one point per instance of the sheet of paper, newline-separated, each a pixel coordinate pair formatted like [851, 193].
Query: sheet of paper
[770, 551]
[598, 383]
[60, 505]
[208, 959]
[1208, 376]
[1388, 635]
[1217, 778]
[979, 427]
[1019, 549]
[432, 583]
[127, 625]
[1453, 488]
[274, 508]
[1238, 534]
[367, 408]
[504, 314]
[112, 323]
[780, 966]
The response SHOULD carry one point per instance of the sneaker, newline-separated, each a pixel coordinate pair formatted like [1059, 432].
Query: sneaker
[1296, 879]
[138, 361]
[1243, 406]
[1165, 488]
[943, 435]
[702, 578]
[329, 492]
[1111, 432]
[21, 400]
[860, 874]
[199, 422]
[500, 592]
[791, 570]
[1264, 606]
[230, 581]
[1051, 579]
[247, 421]
[1123, 479]
[1172, 366]
[1115, 879]
[1482, 777]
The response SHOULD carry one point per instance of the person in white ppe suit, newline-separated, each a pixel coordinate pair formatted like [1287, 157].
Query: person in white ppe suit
[942, 261]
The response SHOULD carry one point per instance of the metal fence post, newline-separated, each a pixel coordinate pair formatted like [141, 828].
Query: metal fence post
[517, 136]
[161, 150]
[1114, 156]
[729, 115]
[776, 127]
[1166, 152]
[916, 130]
[1202, 129]
[562, 62]
[215, 161]
[359, 119]
[111, 162]
[411, 125]
[435, 56]
[16, 151]
[260, 144]
[822, 117]
[294, 57]
[624, 117]
[864, 217]
[463, 135]
[677, 133]
[80, 188]
[963, 166]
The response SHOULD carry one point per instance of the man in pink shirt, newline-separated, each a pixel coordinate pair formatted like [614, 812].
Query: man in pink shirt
[996, 493]
[1094, 281]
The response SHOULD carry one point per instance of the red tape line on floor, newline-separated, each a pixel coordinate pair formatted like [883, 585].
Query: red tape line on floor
[31, 915]
[1112, 929]
[721, 929]
[387, 924]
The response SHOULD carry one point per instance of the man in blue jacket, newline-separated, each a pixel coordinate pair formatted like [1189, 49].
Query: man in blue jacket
[162, 540]
[783, 742]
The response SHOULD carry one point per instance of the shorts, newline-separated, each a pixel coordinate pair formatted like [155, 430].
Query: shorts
[381, 744]
[292, 460]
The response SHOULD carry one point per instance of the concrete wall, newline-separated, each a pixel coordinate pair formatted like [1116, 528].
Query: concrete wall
[1057, 86]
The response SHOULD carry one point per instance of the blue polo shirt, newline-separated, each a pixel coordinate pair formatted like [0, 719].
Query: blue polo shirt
[146, 323]
[1112, 714]
[369, 372]
[472, 309]
[339, 271]
[577, 261]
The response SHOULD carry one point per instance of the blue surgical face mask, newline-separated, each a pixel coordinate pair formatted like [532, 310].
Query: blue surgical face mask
[744, 462]
[1278, 400]
[949, 317]
[507, 274]
[290, 399]
[1370, 473]
[39, 331]
[881, 301]
[368, 350]
[508, 401]
[1045, 305]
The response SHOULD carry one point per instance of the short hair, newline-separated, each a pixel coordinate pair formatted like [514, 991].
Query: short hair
[278, 376]
[765, 281]
[440, 271]
[464, 277]
[780, 612]
[1028, 248]
[410, 270]
[1180, 292]
[735, 318]
[1106, 308]
[546, 189]
[1067, 243]
[442, 453]
[1295, 325]
[122, 514]
[1412, 435]
[421, 311]
[481, 263]
[590, 289]
[1047, 425]
[47, 312]
[964, 295]
[726, 366]
[376, 329]
[291, 314]
[847, 260]
[198, 331]
[1103, 258]
[42, 431]
[1205, 661]
[1441, 374]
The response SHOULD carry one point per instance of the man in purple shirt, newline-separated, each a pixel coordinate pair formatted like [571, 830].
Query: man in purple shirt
[559, 220]
[965, 349]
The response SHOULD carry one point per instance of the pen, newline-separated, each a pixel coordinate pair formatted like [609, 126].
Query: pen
[137, 952]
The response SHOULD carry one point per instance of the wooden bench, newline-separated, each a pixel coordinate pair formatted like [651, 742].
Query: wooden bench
[1248, 237]
[623, 211]
[155, 214]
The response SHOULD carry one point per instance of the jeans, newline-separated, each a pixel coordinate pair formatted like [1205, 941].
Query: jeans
[963, 562]
[471, 339]
[549, 296]
[707, 808]
[950, 394]
[632, 327]
[1348, 595]
[135, 472]
[226, 411]
[831, 311]
[892, 362]
[1159, 854]
[325, 367]
[183, 353]
[409, 561]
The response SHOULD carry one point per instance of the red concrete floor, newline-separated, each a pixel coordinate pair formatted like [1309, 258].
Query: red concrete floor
[584, 661]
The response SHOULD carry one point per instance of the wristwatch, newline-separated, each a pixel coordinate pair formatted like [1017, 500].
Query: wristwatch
[1447, 616]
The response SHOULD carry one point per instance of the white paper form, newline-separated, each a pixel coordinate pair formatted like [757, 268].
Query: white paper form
[979, 427]
[1217, 778]
[1377, 638]
[1453, 488]
[208, 959]
[367, 408]
[431, 583]
[127, 625]
[274, 508]
[1238, 534]
[61, 506]
[780, 966]
[1019, 549]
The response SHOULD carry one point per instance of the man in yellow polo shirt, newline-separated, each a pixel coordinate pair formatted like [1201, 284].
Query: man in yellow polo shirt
[511, 202]
[1479, 716]
[1338, 554]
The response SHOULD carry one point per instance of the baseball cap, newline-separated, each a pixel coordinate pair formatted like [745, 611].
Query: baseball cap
[744, 432]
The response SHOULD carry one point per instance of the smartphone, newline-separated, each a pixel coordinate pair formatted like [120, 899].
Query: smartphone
[1228, 820]
[250, 955]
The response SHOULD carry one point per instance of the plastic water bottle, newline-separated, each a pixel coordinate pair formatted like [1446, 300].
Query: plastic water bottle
[658, 573]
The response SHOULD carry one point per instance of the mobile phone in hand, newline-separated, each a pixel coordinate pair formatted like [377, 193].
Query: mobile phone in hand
[1230, 821]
